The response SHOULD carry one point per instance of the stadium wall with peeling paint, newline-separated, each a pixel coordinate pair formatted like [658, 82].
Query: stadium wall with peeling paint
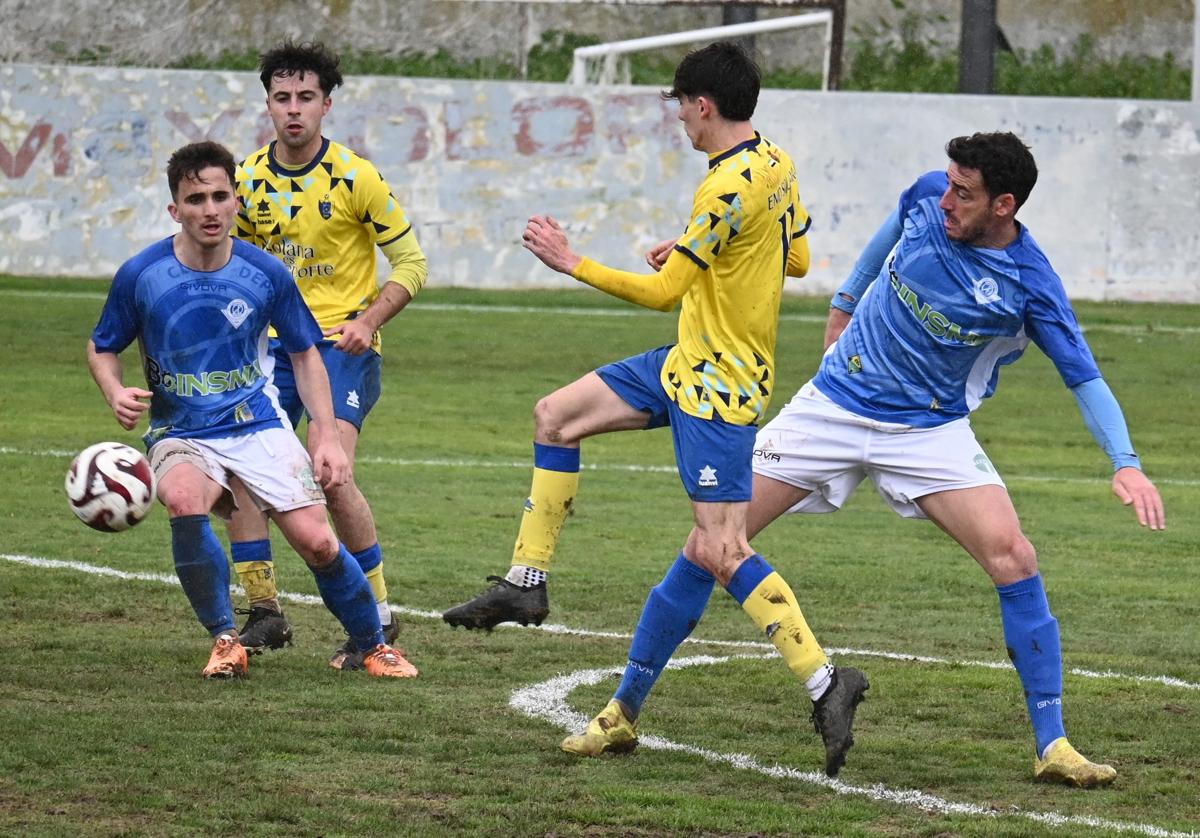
[83, 150]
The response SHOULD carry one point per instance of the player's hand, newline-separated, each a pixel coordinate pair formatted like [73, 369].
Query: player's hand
[1135, 489]
[545, 239]
[355, 337]
[656, 257]
[128, 405]
[331, 466]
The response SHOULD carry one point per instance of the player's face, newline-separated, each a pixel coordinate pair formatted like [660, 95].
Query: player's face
[969, 210]
[205, 207]
[297, 105]
[693, 124]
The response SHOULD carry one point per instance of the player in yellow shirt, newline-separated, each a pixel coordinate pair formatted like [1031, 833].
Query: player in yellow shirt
[323, 210]
[712, 387]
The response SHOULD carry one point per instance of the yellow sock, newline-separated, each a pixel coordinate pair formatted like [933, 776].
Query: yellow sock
[258, 580]
[773, 607]
[549, 502]
[378, 585]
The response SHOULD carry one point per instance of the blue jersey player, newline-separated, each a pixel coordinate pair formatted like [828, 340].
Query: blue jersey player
[199, 304]
[955, 288]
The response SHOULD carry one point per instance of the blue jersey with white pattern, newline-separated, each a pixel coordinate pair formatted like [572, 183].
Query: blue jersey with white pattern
[927, 340]
[203, 337]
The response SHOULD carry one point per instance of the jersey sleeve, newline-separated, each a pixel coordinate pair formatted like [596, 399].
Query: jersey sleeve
[661, 291]
[1050, 322]
[392, 232]
[869, 264]
[799, 258]
[717, 217]
[118, 325]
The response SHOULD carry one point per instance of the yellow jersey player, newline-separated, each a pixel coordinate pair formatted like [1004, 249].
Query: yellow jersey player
[712, 387]
[323, 210]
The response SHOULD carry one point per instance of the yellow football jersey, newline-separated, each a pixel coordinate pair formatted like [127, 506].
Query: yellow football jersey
[747, 232]
[324, 220]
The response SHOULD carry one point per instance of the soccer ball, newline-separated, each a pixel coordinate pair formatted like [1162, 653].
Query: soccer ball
[110, 486]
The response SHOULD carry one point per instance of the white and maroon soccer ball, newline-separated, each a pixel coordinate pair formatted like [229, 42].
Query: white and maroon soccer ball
[110, 486]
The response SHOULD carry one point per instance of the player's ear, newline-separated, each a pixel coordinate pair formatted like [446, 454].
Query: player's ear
[1005, 205]
[173, 209]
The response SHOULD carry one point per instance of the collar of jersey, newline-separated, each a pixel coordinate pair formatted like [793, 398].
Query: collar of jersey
[283, 171]
[717, 159]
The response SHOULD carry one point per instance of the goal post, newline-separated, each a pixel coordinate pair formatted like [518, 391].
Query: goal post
[606, 55]
[834, 38]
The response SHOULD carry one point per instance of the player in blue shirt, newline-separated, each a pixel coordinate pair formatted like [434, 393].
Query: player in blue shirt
[956, 287]
[199, 304]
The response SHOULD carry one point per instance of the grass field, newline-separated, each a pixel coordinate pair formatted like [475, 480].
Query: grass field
[108, 729]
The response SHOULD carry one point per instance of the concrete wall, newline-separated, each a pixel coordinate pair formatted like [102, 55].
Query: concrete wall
[158, 32]
[82, 153]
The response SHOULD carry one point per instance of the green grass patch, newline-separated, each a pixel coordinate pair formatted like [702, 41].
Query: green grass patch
[108, 729]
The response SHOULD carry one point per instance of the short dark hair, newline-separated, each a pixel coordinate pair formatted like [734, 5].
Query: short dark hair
[723, 72]
[190, 160]
[290, 59]
[1005, 162]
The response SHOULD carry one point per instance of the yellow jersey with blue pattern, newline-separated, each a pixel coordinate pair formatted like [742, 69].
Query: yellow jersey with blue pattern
[324, 220]
[747, 233]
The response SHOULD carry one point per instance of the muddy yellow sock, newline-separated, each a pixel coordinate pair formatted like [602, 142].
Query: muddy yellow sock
[555, 482]
[769, 601]
[252, 561]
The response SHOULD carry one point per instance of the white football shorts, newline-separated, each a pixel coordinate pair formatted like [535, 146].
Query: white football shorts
[815, 444]
[271, 463]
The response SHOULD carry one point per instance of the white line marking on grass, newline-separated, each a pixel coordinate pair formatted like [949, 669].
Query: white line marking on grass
[765, 649]
[401, 462]
[548, 701]
[1147, 330]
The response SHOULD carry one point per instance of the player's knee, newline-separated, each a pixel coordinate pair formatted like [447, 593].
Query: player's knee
[1012, 560]
[182, 501]
[548, 421]
[319, 547]
[718, 555]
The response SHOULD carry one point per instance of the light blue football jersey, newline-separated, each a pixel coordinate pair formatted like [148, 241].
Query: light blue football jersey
[927, 340]
[203, 337]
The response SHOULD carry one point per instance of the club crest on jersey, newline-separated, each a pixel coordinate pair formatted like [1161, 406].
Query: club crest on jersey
[236, 312]
[325, 207]
[986, 290]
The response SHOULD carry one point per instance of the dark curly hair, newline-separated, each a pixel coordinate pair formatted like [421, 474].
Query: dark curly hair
[190, 160]
[723, 72]
[290, 59]
[1001, 158]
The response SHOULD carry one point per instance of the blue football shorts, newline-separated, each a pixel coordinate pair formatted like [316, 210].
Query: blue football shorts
[713, 456]
[354, 380]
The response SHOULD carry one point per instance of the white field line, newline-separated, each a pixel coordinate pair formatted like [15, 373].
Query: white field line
[477, 308]
[401, 462]
[548, 701]
[765, 649]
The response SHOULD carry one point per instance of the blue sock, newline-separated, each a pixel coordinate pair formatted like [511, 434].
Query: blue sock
[347, 594]
[1031, 634]
[748, 575]
[203, 571]
[250, 551]
[370, 558]
[672, 610]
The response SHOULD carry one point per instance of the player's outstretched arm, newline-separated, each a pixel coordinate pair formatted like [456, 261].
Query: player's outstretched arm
[330, 464]
[1134, 489]
[127, 403]
[836, 324]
